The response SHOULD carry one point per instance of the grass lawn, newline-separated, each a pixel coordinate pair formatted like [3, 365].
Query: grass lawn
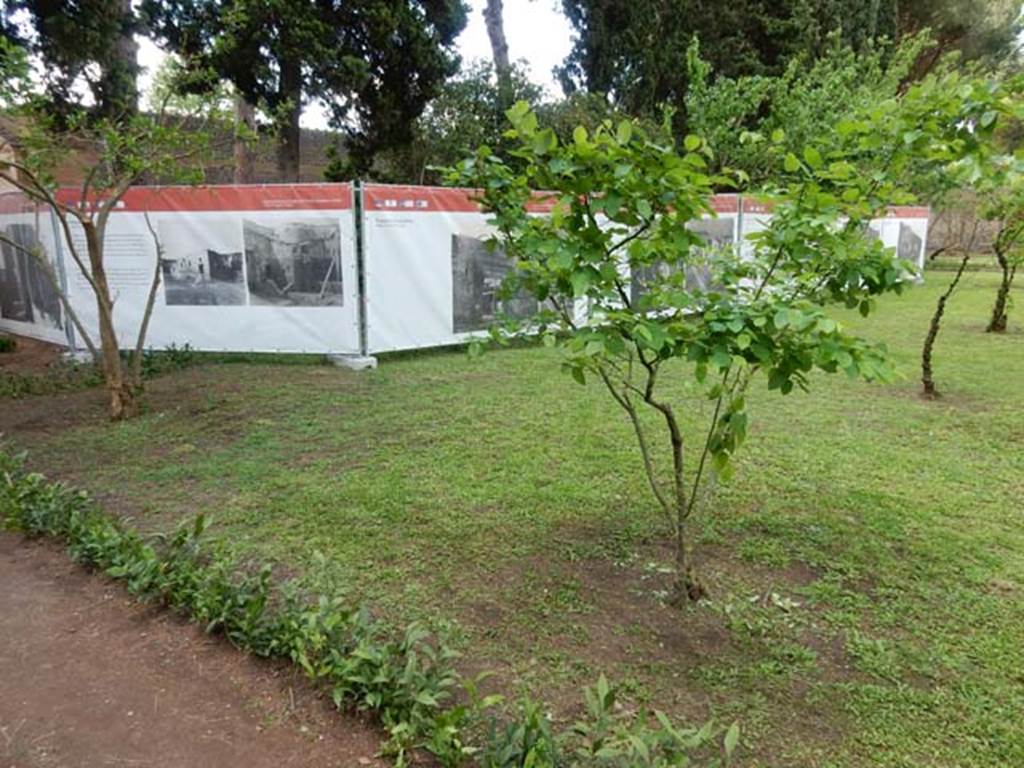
[866, 563]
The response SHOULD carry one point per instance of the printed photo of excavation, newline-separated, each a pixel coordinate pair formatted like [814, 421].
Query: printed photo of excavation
[27, 293]
[293, 263]
[909, 244]
[477, 276]
[717, 234]
[202, 267]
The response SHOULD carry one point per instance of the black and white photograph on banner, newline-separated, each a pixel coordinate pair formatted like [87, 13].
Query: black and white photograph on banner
[477, 276]
[718, 234]
[909, 244]
[293, 263]
[202, 263]
[27, 293]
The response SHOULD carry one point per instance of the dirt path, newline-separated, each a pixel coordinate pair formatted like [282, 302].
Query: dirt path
[91, 679]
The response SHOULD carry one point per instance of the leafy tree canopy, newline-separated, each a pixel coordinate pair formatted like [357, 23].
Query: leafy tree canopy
[635, 52]
[738, 115]
[84, 49]
[374, 63]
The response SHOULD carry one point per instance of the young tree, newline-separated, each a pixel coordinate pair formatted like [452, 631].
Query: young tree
[118, 153]
[1005, 205]
[623, 203]
[961, 241]
[374, 64]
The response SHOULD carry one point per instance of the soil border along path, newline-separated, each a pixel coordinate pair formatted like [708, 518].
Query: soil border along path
[90, 678]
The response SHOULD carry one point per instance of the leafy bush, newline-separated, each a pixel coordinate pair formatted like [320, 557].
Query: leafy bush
[406, 679]
[7, 344]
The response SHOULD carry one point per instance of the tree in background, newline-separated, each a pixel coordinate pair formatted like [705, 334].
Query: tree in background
[1004, 203]
[160, 146]
[635, 53]
[495, 22]
[375, 64]
[81, 45]
[711, 322]
[468, 111]
[737, 115]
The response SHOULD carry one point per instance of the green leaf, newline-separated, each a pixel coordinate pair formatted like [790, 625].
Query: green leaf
[624, 132]
[643, 208]
[691, 143]
[581, 280]
[579, 135]
[732, 739]
[778, 136]
[517, 111]
[577, 373]
[813, 158]
[791, 163]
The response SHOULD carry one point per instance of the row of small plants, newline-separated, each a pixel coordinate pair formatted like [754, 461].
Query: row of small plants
[407, 679]
[70, 375]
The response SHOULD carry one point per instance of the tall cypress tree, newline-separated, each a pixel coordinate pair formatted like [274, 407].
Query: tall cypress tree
[374, 63]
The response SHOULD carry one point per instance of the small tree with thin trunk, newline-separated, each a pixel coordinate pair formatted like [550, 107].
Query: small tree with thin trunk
[961, 240]
[634, 300]
[1006, 207]
[116, 154]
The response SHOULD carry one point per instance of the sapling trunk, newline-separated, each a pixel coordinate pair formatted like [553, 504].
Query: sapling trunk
[927, 381]
[997, 322]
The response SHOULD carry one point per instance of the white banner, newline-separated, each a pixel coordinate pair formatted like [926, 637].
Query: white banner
[274, 268]
[254, 268]
[904, 228]
[430, 278]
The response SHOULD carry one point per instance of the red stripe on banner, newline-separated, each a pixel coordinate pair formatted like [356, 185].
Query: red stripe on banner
[226, 197]
[908, 212]
[725, 203]
[396, 198]
[392, 198]
[893, 212]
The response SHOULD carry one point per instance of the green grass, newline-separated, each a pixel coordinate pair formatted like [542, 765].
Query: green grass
[866, 563]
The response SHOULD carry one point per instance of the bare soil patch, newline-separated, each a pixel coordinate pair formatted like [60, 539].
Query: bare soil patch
[89, 678]
[29, 356]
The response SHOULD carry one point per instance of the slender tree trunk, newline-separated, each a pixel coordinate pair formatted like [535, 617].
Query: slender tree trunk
[927, 382]
[687, 586]
[288, 127]
[245, 128]
[997, 322]
[123, 396]
[495, 22]
[119, 79]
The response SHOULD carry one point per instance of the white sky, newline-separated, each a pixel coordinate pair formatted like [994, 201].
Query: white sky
[536, 31]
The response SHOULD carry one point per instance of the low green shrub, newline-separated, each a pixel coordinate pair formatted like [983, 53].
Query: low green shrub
[7, 344]
[62, 376]
[69, 375]
[407, 679]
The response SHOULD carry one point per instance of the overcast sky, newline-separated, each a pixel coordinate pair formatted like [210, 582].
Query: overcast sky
[536, 30]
